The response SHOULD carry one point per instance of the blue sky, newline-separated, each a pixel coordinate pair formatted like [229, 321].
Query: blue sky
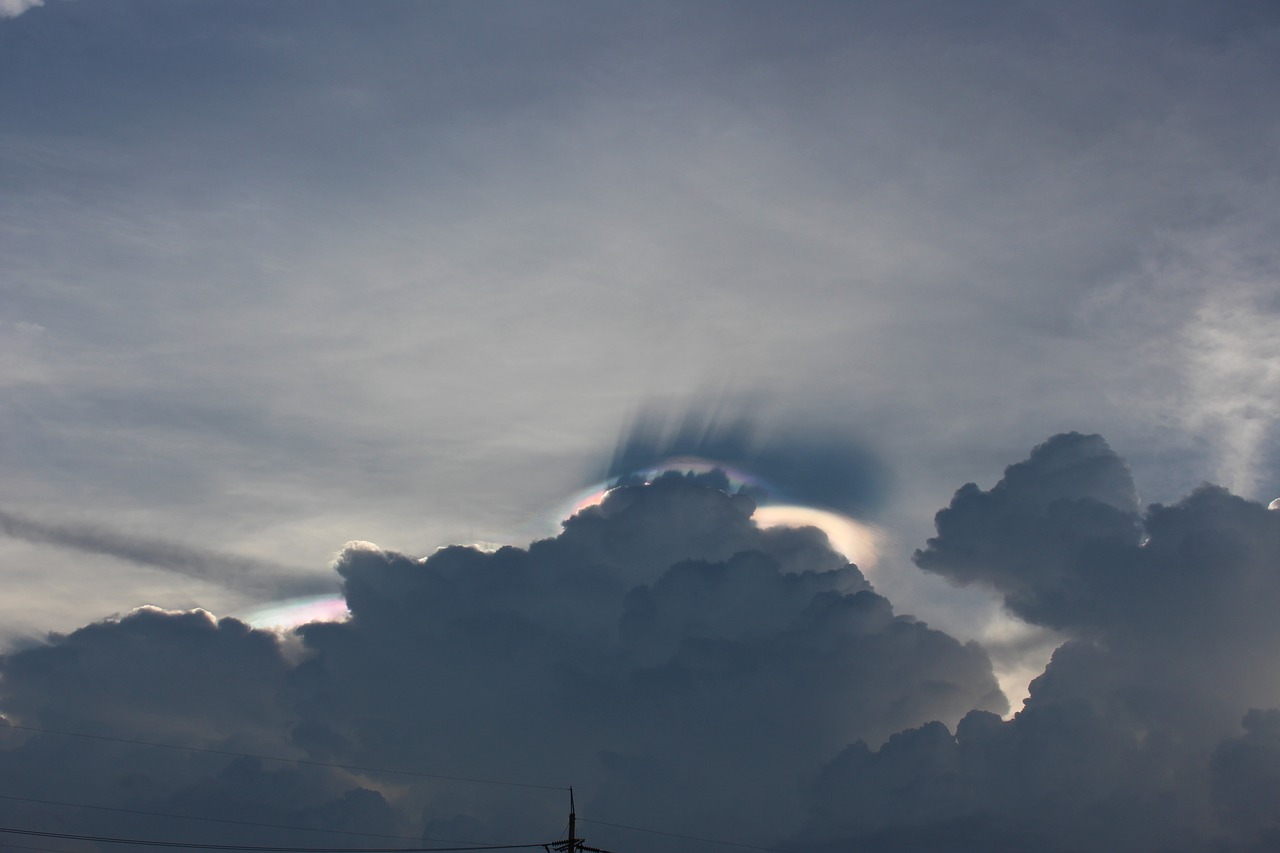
[279, 276]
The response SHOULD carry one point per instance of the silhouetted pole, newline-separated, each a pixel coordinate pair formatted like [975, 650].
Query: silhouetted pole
[573, 828]
[572, 844]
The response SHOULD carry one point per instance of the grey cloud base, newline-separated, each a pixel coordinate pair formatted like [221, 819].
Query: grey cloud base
[683, 668]
[689, 672]
[1144, 732]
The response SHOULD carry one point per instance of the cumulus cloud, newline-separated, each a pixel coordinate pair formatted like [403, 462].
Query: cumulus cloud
[1130, 740]
[691, 672]
[1031, 537]
[679, 665]
[1245, 775]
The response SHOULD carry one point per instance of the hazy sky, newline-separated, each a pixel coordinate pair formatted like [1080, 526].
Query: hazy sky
[280, 276]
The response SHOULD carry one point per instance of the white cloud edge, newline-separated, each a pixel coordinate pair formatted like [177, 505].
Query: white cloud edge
[14, 8]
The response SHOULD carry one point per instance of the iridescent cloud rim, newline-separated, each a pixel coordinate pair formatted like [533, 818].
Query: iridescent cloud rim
[859, 542]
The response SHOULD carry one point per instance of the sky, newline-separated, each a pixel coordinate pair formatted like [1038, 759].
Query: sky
[302, 300]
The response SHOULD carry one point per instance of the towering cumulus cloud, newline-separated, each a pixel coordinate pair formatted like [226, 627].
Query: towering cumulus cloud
[683, 668]
[694, 674]
[1147, 731]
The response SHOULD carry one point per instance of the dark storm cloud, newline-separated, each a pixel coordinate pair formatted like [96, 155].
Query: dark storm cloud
[1034, 533]
[796, 464]
[172, 678]
[1130, 740]
[406, 229]
[1245, 776]
[661, 651]
[229, 570]
[689, 672]
[661, 646]
[1180, 591]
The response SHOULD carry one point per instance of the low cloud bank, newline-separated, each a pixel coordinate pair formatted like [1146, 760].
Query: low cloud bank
[691, 673]
[681, 667]
[1146, 731]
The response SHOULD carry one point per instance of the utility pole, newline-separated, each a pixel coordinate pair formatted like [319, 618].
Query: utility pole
[572, 844]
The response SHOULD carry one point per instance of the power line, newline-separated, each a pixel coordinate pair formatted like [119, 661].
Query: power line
[8, 846]
[227, 820]
[189, 845]
[304, 761]
[572, 844]
[310, 763]
[686, 837]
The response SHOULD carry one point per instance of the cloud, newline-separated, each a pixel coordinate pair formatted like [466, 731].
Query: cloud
[660, 651]
[229, 570]
[1179, 591]
[688, 671]
[795, 464]
[14, 8]
[1130, 739]
[1233, 379]
[1033, 532]
[956, 228]
[223, 181]
[1245, 774]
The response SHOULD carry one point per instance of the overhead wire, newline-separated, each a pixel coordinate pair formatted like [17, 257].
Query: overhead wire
[350, 767]
[8, 846]
[227, 820]
[259, 848]
[238, 754]
[685, 837]
[303, 761]
[469, 845]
